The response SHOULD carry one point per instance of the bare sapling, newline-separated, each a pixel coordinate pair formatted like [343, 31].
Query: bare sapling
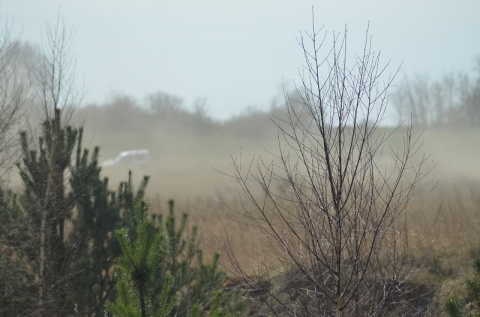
[332, 204]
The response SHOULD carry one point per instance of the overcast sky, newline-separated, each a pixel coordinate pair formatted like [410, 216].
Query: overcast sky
[239, 53]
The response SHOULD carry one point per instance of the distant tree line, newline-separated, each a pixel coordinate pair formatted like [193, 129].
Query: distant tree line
[453, 100]
[168, 113]
[159, 111]
[450, 101]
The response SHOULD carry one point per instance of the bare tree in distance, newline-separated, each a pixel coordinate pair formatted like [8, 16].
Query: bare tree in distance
[331, 209]
[12, 114]
[53, 73]
[13, 93]
[452, 100]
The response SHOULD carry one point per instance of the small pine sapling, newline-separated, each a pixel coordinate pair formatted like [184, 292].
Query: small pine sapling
[455, 306]
[136, 269]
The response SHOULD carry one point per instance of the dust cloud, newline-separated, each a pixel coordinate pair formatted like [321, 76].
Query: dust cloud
[191, 156]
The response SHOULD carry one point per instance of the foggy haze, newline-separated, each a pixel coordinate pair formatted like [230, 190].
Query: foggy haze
[238, 54]
[187, 97]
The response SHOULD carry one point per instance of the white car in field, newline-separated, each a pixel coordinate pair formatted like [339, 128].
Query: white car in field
[132, 157]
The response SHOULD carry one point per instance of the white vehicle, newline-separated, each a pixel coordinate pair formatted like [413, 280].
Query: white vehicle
[133, 157]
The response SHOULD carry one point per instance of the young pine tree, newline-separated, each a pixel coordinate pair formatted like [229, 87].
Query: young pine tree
[162, 273]
[194, 281]
[455, 307]
[63, 189]
[49, 207]
[142, 249]
[100, 212]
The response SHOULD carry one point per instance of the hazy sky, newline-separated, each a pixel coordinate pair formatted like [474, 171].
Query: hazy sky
[239, 53]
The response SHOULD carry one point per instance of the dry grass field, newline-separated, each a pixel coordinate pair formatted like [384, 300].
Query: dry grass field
[194, 171]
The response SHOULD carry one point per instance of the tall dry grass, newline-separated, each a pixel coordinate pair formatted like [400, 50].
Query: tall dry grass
[194, 169]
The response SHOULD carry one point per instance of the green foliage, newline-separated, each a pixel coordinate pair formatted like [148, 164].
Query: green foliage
[66, 200]
[161, 256]
[455, 307]
[48, 206]
[142, 250]
[100, 213]
[16, 288]
[195, 281]
[215, 311]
